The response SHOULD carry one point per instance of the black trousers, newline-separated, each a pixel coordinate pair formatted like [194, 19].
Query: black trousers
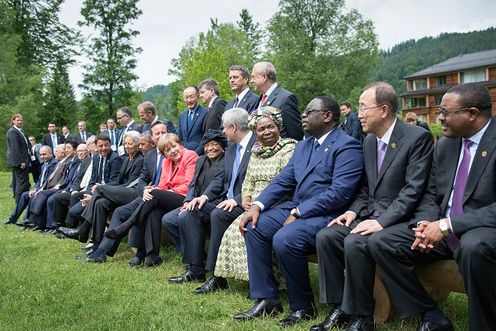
[20, 181]
[476, 259]
[104, 200]
[150, 216]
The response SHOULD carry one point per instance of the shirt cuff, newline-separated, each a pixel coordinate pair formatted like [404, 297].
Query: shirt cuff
[204, 196]
[350, 212]
[259, 204]
[450, 228]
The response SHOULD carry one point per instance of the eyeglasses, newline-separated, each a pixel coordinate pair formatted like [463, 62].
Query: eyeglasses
[309, 111]
[362, 109]
[121, 117]
[447, 112]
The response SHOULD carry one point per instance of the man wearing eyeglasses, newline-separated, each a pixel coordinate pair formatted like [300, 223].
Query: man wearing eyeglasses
[125, 119]
[397, 158]
[455, 219]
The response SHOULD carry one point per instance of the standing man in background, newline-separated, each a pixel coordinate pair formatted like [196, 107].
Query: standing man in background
[52, 138]
[191, 121]
[244, 98]
[209, 93]
[351, 124]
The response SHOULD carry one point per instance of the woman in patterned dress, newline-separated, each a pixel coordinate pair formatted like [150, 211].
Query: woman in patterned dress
[269, 155]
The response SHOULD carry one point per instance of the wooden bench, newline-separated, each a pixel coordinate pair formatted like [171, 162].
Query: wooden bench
[433, 277]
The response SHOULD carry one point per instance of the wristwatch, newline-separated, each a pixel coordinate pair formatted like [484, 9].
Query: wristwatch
[443, 226]
[295, 212]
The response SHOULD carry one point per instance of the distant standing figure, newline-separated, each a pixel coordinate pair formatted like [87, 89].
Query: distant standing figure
[411, 118]
[351, 124]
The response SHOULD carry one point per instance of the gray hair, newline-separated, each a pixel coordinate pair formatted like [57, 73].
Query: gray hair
[210, 84]
[237, 116]
[133, 134]
[245, 73]
[147, 135]
[268, 69]
[48, 148]
[148, 107]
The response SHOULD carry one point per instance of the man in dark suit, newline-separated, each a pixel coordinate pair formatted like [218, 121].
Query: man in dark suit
[191, 121]
[52, 138]
[263, 78]
[36, 162]
[82, 135]
[148, 114]
[351, 124]
[411, 118]
[455, 219]
[397, 157]
[48, 164]
[209, 93]
[239, 77]
[66, 133]
[219, 205]
[321, 177]
[18, 156]
[113, 133]
[150, 175]
[125, 119]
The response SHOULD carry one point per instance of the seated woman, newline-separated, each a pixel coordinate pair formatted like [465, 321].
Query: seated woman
[208, 166]
[177, 171]
[269, 155]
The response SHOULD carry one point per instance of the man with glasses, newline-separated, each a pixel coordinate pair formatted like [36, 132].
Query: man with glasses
[397, 158]
[125, 119]
[321, 177]
[455, 219]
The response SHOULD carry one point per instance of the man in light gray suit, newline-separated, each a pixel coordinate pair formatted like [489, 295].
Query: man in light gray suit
[397, 160]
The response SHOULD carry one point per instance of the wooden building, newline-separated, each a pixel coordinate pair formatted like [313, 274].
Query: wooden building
[426, 88]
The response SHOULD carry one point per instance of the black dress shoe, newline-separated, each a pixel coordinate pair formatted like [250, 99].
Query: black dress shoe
[298, 316]
[361, 324]
[153, 261]
[136, 262]
[335, 319]
[263, 307]
[442, 325]
[97, 257]
[187, 277]
[212, 284]
[9, 222]
[69, 233]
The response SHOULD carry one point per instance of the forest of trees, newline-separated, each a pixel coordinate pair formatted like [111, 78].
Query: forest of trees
[318, 47]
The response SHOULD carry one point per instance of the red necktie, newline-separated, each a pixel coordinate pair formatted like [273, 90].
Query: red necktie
[264, 97]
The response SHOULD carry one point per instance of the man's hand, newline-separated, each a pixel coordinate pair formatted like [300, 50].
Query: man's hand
[94, 187]
[427, 236]
[200, 202]
[344, 220]
[31, 193]
[227, 205]
[22, 165]
[290, 220]
[246, 202]
[184, 207]
[86, 199]
[367, 227]
[251, 215]
[147, 195]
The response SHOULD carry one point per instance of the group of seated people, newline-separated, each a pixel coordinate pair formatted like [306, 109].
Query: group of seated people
[267, 202]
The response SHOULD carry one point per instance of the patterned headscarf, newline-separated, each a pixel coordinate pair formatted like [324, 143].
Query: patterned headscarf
[269, 112]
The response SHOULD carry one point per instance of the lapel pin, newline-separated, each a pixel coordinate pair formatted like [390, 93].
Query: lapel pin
[393, 145]
[326, 149]
[484, 153]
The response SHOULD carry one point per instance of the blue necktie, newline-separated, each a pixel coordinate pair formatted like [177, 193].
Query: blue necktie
[43, 173]
[158, 171]
[235, 168]
[314, 153]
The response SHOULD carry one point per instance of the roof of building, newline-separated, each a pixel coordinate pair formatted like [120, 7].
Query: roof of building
[460, 62]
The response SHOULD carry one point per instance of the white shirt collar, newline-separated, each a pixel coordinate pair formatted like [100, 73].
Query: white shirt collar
[270, 90]
[212, 101]
[242, 94]
[387, 136]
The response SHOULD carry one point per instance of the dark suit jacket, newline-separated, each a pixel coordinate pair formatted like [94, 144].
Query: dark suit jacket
[323, 189]
[76, 185]
[110, 172]
[249, 102]
[479, 199]
[213, 119]
[147, 174]
[77, 136]
[50, 167]
[17, 150]
[70, 174]
[130, 170]
[216, 170]
[47, 140]
[192, 136]
[353, 127]
[117, 135]
[57, 175]
[220, 184]
[286, 101]
[396, 191]
[170, 126]
[132, 127]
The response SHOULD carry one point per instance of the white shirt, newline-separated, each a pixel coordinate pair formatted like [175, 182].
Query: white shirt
[244, 144]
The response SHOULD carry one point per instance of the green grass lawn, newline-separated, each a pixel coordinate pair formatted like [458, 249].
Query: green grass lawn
[42, 287]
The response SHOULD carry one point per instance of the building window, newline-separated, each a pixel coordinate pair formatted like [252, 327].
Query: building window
[437, 99]
[416, 102]
[471, 76]
[419, 84]
[421, 117]
[441, 80]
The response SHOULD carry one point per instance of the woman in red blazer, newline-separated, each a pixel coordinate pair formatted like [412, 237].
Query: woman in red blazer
[177, 171]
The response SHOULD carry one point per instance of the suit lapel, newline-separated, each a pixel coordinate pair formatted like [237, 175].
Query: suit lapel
[271, 97]
[394, 146]
[481, 158]
[321, 153]
[370, 149]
